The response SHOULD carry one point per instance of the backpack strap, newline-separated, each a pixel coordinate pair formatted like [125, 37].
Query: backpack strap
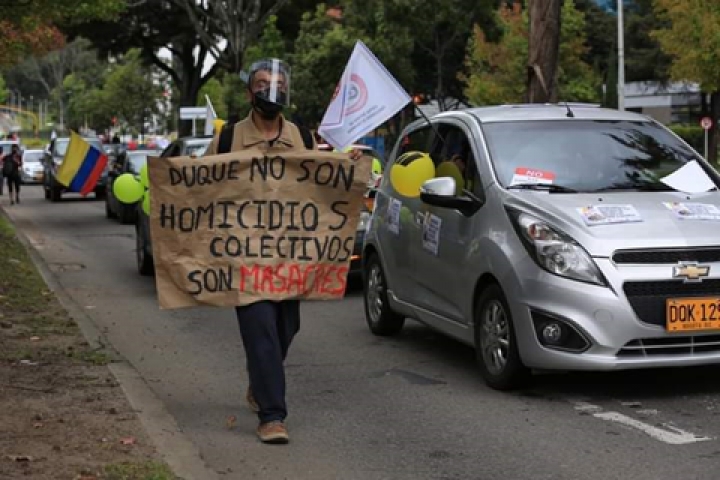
[226, 138]
[307, 137]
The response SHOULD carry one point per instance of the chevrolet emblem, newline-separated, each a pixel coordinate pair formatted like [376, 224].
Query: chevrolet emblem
[691, 272]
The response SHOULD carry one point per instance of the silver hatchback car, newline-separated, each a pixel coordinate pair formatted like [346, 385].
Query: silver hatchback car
[565, 237]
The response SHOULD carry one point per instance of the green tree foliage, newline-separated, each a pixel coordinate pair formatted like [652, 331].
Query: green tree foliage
[131, 91]
[29, 27]
[321, 51]
[271, 44]
[215, 90]
[3, 90]
[692, 40]
[127, 90]
[645, 59]
[497, 70]
[440, 30]
[86, 104]
[577, 79]
[324, 46]
[156, 26]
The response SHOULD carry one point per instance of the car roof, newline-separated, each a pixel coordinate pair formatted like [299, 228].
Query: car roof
[87, 139]
[359, 146]
[144, 151]
[198, 139]
[524, 112]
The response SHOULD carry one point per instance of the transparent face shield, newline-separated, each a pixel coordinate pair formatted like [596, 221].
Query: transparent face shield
[269, 80]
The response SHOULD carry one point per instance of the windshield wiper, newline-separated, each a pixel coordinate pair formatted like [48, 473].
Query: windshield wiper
[638, 187]
[550, 187]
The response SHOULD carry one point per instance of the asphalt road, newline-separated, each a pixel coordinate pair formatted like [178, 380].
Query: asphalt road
[367, 408]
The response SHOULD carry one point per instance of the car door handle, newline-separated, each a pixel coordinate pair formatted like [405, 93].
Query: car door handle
[419, 218]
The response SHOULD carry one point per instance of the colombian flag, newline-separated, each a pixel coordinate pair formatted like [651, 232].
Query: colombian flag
[82, 166]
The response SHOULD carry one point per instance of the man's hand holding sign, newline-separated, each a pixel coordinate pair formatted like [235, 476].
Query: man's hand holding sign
[254, 225]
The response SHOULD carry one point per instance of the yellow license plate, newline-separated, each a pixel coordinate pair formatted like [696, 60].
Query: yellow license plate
[691, 314]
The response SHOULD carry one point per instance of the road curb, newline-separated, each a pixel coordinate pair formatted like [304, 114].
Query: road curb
[178, 451]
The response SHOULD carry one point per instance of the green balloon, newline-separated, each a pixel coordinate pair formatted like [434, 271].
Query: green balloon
[144, 181]
[146, 203]
[127, 189]
[405, 215]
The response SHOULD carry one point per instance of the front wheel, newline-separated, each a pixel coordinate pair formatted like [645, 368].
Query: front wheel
[378, 314]
[108, 211]
[495, 342]
[55, 192]
[145, 264]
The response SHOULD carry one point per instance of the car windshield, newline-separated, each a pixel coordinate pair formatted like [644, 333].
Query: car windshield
[196, 149]
[32, 157]
[61, 145]
[586, 155]
[137, 160]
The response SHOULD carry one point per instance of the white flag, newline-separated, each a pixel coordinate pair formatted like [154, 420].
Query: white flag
[366, 97]
[210, 117]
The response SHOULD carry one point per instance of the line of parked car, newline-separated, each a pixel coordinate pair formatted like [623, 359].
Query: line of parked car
[569, 237]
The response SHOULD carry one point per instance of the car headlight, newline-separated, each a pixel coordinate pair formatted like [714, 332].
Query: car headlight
[364, 221]
[555, 251]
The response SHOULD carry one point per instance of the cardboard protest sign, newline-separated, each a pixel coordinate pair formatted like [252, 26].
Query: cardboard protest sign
[232, 229]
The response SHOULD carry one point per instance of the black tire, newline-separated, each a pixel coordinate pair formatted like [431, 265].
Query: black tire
[145, 264]
[380, 318]
[126, 215]
[493, 321]
[100, 193]
[55, 192]
[108, 211]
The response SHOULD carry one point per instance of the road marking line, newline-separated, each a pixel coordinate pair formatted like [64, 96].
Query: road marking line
[670, 434]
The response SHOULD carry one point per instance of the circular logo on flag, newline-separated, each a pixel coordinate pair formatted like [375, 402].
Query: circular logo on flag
[357, 94]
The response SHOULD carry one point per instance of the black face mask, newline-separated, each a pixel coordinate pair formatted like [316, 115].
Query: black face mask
[267, 109]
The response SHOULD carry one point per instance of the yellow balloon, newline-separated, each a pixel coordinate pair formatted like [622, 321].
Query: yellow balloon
[409, 173]
[376, 166]
[144, 181]
[146, 202]
[449, 169]
[127, 189]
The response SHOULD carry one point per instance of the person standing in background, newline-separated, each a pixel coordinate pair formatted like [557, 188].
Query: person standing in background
[12, 164]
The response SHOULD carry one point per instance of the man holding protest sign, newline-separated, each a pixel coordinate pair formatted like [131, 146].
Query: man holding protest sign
[267, 326]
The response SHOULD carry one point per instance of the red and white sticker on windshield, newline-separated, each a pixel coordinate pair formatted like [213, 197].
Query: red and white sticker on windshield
[532, 175]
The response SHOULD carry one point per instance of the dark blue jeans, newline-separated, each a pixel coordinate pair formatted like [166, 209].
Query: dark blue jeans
[267, 329]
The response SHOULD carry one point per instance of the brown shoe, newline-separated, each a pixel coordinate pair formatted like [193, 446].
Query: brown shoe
[273, 432]
[251, 401]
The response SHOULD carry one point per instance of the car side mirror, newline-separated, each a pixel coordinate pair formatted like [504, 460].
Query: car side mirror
[440, 192]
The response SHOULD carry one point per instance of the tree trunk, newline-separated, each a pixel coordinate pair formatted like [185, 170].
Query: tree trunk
[713, 133]
[543, 48]
[189, 86]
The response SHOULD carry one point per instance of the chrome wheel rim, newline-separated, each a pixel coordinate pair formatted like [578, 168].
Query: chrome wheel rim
[374, 295]
[495, 337]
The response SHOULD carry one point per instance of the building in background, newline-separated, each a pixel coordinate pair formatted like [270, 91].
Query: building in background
[672, 103]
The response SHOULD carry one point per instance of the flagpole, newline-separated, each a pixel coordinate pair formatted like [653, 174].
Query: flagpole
[432, 125]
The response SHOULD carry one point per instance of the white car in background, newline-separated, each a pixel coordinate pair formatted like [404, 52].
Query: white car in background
[32, 169]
